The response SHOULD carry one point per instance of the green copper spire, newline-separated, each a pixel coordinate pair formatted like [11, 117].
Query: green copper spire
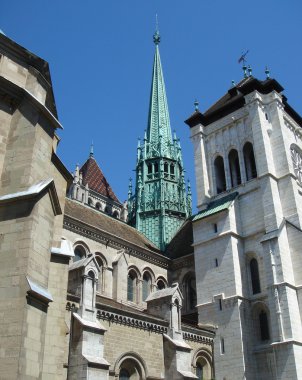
[158, 120]
[160, 204]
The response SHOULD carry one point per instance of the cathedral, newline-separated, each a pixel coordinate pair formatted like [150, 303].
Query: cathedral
[94, 288]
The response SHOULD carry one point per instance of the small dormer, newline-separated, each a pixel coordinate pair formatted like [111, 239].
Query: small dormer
[167, 304]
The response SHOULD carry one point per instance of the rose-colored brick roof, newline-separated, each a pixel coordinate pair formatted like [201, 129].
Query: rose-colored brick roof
[93, 175]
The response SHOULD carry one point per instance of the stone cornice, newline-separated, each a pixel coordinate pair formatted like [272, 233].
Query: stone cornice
[106, 238]
[199, 338]
[133, 321]
[17, 93]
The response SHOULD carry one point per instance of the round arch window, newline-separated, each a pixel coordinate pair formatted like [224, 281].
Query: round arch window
[79, 253]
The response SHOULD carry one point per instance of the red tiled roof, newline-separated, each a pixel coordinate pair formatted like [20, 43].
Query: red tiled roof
[93, 175]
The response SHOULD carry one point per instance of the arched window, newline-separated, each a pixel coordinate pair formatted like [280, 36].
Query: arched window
[156, 167]
[255, 276]
[199, 371]
[263, 325]
[172, 169]
[166, 167]
[124, 374]
[89, 201]
[219, 175]
[234, 168]
[91, 274]
[131, 286]
[249, 161]
[100, 279]
[203, 364]
[115, 214]
[146, 285]
[79, 253]
[189, 288]
[107, 210]
[160, 285]
[98, 206]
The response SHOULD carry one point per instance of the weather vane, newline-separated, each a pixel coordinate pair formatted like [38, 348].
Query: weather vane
[243, 58]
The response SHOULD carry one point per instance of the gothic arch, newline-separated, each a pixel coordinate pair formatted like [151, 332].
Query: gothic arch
[219, 174]
[101, 260]
[133, 363]
[249, 161]
[234, 167]
[253, 266]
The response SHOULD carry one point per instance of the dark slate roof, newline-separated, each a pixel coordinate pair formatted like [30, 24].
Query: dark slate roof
[234, 99]
[93, 175]
[216, 206]
[108, 224]
[181, 244]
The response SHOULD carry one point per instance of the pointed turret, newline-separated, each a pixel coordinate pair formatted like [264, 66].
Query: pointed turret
[159, 206]
[159, 119]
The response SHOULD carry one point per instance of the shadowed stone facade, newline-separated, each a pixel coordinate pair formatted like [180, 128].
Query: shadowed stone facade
[83, 295]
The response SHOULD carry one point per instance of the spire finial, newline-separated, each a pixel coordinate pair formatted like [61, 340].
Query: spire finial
[233, 83]
[156, 35]
[249, 69]
[244, 67]
[91, 149]
[196, 104]
[267, 72]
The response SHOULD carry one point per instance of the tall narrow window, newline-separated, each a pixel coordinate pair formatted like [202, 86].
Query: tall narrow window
[263, 324]
[255, 276]
[219, 175]
[124, 374]
[146, 285]
[249, 161]
[156, 167]
[234, 168]
[131, 287]
[172, 169]
[166, 167]
[149, 168]
[199, 371]
[222, 348]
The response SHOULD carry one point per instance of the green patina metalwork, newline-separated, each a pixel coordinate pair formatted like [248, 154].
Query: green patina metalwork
[160, 204]
[216, 206]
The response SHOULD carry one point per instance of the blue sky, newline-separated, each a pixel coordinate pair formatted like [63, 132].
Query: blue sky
[101, 54]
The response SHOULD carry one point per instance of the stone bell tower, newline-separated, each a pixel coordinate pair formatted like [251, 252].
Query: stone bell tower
[247, 235]
[160, 203]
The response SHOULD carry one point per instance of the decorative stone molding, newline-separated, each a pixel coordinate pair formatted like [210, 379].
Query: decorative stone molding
[109, 240]
[197, 338]
[130, 321]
